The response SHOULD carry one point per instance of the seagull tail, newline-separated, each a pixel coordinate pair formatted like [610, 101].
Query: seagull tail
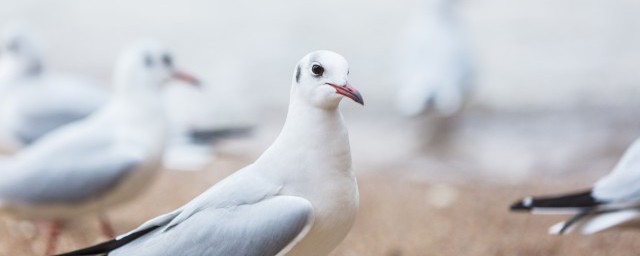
[607, 220]
[567, 227]
[211, 136]
[588, 223]
[573, 203]
[108, 246]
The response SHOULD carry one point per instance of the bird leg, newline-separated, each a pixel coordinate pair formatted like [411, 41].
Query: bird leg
[53, 231]
[106, 227]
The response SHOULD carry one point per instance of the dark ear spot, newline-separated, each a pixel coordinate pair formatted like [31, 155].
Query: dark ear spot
[14, 46]
[35, 68]
[298, 74]
[148, 61]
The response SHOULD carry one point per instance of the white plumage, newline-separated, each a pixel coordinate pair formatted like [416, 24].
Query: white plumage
[33, 99]
[613, 201]
[434, 66]
[105, 159]
[299, 198]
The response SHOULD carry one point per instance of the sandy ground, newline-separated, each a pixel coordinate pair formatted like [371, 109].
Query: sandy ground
[418, 195]
[399, 215]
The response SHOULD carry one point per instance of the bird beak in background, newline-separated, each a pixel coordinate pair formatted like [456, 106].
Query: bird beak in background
[348, 91]
[179, 75]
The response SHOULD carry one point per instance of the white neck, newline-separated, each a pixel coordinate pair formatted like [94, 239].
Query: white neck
[140, 117]
[315, 136]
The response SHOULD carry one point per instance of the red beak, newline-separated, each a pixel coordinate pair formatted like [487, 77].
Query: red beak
[179, 75]
[348, 91]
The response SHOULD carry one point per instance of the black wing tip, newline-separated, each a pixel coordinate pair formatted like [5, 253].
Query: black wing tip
[582, 199]
[207, 136]
[108, 246]
[520, 206]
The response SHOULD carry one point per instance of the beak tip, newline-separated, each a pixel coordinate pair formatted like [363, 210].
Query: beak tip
[358, 98]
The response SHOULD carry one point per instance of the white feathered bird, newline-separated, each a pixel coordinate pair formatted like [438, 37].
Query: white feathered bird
[299, 198]
[613, 201]
[106, 159]
[434, 66]
[33, 99]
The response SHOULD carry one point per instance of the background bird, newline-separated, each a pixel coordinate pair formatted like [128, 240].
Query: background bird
[198, 125]
[614, 200]
[89, 166]
[434, 66]
[33, 99]
[300, 197]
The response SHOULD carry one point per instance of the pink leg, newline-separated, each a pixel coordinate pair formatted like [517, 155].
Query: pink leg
[53, 231]
[105, 227]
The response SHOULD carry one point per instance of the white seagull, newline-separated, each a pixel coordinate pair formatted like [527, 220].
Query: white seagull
[196, 126]
[434, 64]
[88, 166]
[613, 201]
[33, 100]
[299, 198]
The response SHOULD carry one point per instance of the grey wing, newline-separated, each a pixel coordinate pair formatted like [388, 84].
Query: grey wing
[622, 183]
[39, 116]
[268, 227]
[36, 125]
[67, 173]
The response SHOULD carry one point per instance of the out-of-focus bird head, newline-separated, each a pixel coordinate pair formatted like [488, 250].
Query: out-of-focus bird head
[20, 51]
[321, 78]
[148, 65]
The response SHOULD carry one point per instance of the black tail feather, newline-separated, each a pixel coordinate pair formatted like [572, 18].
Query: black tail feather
[582, 199]
[108, 246]
[211, 136]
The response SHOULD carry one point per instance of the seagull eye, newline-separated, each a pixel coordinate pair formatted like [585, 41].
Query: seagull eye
[317, 70]
[167, 60]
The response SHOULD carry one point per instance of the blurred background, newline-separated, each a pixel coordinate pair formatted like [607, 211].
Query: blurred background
[554, 103]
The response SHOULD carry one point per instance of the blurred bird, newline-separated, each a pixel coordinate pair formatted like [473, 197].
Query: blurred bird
[33, 100]
[299, 198]
[88, 166]
[197, 126]
[434, 64]
[613, 201]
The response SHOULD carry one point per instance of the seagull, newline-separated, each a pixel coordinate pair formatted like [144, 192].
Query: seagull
[434, 64]
[613, 201]
[197, 128]
[33, 100]
[300, 197]
[193, 149]
[90, 165]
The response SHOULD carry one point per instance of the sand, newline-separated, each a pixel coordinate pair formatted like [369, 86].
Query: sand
[399, 215]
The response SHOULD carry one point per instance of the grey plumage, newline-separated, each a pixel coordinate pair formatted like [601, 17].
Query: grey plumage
[82, 166]
[254, 221]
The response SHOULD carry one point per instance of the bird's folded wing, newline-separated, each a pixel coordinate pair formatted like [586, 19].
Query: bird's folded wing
[271, 226]
[621, 183]
[67, 176]
[597, 221]
[604, 221]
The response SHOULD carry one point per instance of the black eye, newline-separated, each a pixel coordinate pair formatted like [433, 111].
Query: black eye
[167, 60]
[317, 70]
[148, 61]
[14, 46]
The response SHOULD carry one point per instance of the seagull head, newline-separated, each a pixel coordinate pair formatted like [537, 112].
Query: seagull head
[20, 50]
[148, 65]
[321, 79]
